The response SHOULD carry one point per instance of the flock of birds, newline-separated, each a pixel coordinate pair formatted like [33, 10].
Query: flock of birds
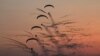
[39, 16]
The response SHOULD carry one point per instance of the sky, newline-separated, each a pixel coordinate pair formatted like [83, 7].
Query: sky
[17, 16]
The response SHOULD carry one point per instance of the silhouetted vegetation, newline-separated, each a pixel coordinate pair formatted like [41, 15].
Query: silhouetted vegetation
[56, 39]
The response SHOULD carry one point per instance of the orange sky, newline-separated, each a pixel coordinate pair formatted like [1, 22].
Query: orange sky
[18, 15]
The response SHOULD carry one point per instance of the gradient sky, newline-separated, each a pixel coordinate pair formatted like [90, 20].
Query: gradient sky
[18, 15]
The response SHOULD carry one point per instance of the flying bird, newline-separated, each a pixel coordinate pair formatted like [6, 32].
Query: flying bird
[49, 5]
[31, 39]
[42, 16]
[36, 27]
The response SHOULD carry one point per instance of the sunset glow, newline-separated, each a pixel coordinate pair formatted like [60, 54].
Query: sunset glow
[18, 16]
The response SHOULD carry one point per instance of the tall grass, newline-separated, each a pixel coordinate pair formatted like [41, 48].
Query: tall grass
[58, 39]
[58, 36]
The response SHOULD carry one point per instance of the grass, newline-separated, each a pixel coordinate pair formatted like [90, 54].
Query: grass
[58, 39]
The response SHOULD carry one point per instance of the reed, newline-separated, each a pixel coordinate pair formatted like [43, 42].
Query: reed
[58, 39]
[69, 44]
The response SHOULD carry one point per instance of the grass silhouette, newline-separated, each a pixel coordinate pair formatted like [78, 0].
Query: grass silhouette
[58, 39]
[58, 36]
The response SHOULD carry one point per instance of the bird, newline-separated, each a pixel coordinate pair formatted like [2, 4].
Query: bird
[48, 5]
[31, 39]
[36, 27]
[39, 16]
